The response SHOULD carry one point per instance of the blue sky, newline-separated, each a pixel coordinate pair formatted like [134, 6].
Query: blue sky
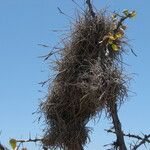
[26, 23]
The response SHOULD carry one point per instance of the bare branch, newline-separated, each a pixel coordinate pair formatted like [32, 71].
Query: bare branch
[118, 130]
[43, 45]
[29, 140]
[78, 5]
[42, 83]
[92, 13]
[47, 55]
[142, 140]
[61, 12]
[133, 52]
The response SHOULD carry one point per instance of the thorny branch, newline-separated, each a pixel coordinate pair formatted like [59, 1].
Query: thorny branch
[140, 140]
[27, 141]
[143, 141]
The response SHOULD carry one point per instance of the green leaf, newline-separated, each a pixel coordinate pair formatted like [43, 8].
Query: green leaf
[114, 26]
[118, 35]
[126, 12]
[115, 47]
[111, 37]
[132, 14]
[110, 41]
[13, 143]
[114, 16]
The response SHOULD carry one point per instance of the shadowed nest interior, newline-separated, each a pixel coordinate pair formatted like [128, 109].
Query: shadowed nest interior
[89, 80]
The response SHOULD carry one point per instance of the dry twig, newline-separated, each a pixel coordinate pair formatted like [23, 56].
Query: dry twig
[140, 140]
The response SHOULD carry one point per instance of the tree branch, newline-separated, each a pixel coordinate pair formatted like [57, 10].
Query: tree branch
[142, 140]
[1, 147]
[29, 140]
[92, 13]
[122, 19]
[118, 130]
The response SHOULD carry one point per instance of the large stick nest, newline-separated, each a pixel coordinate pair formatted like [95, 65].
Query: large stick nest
[89, 80]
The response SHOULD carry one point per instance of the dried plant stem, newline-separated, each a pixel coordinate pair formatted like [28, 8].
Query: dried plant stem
[118, 129]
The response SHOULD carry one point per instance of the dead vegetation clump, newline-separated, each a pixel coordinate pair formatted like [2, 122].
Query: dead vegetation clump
[89, 80]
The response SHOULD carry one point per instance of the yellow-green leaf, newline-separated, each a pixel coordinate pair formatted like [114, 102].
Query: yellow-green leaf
[111, 37]
[110, 41]
[132, 14]
[115, 47]
[126, 12]
[118, 35]
[13, 143]
[114, 26]
[114, 16]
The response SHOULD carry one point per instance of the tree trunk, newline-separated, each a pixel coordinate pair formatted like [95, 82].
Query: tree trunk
[120, 143]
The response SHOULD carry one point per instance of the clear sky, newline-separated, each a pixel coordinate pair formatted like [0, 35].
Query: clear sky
[26, 23]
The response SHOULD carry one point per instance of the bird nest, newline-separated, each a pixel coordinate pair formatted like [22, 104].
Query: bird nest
[89, 79]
